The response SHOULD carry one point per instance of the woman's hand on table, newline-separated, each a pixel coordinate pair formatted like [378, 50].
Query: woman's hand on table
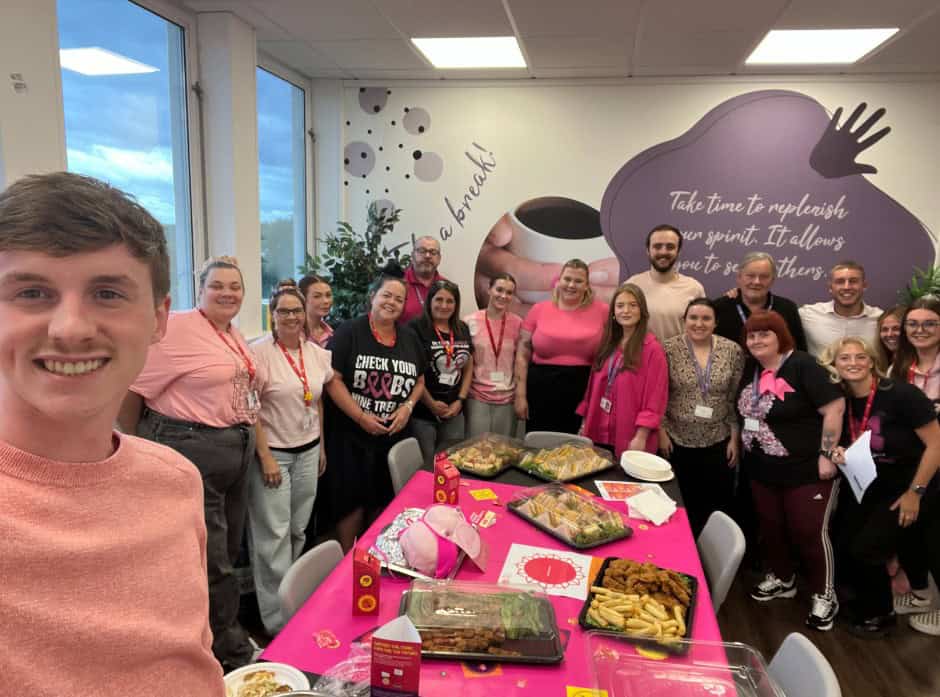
[665, 443]
[372, 424]
[270, 472]
[908, 508]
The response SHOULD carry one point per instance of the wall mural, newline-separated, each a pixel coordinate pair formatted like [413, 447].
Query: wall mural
[767, 170]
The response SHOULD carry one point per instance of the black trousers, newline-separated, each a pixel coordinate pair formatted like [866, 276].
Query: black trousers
[222, 456]
[705, 480]
[553, 393]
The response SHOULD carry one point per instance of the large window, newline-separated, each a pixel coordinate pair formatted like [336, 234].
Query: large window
[124, 93]
[282, 177]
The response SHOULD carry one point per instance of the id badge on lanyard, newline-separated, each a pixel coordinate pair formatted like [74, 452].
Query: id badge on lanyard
[306, 423]
[612, 368]
[254, 402]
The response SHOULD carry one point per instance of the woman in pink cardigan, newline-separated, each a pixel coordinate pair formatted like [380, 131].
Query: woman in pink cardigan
[629, 386]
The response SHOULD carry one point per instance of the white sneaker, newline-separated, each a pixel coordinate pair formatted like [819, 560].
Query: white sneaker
[772, 587]
[928, 623]
[823, 614]
[911, 603]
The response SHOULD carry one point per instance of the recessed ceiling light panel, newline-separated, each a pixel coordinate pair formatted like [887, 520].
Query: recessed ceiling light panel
[472, 52]
[100, 61]
[817, 46]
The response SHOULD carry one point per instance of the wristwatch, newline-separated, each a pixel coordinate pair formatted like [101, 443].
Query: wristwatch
[826, 453]
[918, 489]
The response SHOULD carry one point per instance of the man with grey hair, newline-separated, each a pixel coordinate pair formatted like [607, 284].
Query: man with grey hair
[845, 315]
[756, 274]
[419, 276]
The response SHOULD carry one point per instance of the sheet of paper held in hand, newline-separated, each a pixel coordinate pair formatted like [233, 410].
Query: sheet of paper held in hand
[859, 468]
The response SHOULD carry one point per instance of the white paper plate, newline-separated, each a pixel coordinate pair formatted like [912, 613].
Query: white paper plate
[283, 673]
[646, 466]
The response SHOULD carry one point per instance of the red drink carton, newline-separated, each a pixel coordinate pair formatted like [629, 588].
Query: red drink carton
[366, 578]
[446, 481]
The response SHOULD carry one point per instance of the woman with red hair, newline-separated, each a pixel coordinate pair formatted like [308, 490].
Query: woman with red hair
[792, 420]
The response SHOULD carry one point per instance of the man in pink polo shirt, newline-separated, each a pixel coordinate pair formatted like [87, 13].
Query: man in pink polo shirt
[104, 561]
[420, 275]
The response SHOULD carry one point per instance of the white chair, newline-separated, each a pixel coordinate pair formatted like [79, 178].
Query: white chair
[404, 459]
[721, 546]
[305, 574]
[800, 669]
[552, 439]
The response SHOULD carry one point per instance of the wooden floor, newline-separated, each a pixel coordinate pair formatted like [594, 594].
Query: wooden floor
[906, 664]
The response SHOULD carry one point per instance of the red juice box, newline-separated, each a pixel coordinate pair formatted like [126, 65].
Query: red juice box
[396, 659]
[446, 481]
[366, 577]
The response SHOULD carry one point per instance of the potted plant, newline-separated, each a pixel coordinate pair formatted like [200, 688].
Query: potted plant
[351, 261]
[923, 282]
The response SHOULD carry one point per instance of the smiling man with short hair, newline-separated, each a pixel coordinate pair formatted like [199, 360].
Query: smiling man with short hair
[104, 559]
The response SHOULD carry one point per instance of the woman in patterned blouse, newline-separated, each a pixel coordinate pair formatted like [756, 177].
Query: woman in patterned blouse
[700, 435]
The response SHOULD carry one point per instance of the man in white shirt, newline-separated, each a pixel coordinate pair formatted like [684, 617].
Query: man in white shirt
[667, 291]
[845, 315]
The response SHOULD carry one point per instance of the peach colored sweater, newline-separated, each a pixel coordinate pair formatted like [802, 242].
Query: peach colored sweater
[103, 575]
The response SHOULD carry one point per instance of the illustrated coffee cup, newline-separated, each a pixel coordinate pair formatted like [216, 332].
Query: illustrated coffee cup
[554, 229]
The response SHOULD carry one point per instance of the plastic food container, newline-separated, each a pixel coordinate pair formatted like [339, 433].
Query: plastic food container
[576, 519]
[482, 622]
[708, 668]
[486, 455]
[566, 462]
[625, 612]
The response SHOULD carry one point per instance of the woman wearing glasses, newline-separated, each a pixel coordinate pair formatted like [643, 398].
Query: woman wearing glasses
[438, 418]
[290, 456]
[917, 361]
[419, 276]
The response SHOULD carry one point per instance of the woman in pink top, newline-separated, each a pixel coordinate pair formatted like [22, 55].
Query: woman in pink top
[318, 297]
[283, 481]
[561, 336]
[199, 394]
[629, 386]
[495, 334]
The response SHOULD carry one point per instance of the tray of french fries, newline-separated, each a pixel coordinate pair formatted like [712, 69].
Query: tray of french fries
[643, 602]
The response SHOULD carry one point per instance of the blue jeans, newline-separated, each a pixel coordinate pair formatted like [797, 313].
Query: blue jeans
[277, 520]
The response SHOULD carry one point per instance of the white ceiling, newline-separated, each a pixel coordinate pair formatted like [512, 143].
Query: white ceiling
[369, 39]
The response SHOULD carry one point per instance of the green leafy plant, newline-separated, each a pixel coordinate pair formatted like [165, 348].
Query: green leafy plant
[923, 282]
[351, 261]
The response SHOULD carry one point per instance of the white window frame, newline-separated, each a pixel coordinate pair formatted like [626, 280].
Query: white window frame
[275, 67]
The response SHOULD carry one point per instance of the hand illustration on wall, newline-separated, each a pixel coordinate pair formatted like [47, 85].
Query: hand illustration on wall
[768, 171]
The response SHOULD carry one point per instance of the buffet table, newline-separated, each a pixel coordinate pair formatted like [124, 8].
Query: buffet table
[320, 633]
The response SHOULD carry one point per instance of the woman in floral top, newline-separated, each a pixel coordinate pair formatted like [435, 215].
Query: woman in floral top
[792, 418]
[700, 436]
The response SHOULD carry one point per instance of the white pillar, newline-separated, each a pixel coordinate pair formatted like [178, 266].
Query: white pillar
[227, 63]
[32, 126]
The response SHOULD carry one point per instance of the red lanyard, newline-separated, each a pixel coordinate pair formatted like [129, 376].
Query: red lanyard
[497, 345]
[448, 346]
[237, 349]
[375, 334]
[910, 374]
[299, 372]
[867, 413]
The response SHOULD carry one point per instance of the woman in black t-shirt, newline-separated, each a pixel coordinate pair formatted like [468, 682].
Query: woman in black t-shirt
[792, 418]
[438, 418]
[378, 374]
[905, 446]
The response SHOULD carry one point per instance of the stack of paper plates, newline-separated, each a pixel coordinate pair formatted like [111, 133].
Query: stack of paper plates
[646, 466]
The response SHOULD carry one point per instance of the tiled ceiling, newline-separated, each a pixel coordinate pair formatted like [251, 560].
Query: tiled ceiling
[369, 39]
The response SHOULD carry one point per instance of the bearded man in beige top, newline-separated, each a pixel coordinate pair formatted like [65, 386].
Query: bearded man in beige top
[667, 291]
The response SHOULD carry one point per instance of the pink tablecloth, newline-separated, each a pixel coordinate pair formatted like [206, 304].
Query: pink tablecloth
[329, 610]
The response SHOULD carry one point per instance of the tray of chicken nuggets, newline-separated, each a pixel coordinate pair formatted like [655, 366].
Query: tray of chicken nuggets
[643, 602]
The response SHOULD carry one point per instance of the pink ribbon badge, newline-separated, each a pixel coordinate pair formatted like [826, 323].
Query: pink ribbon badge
[778, 387]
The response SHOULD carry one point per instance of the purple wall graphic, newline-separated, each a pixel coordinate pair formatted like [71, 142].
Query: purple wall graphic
[768, 171]
[380, 158]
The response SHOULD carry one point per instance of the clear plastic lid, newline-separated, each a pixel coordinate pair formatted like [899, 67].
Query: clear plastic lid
[708, 668]
[486, 455]
[571, 516]
[460, 618]
[566, 462]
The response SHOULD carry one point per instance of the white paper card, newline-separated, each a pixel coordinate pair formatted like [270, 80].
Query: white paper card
[703, 412]
[859, 468]
[751, 424]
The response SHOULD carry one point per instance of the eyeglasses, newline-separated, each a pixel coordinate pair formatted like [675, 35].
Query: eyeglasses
[425, 252]
[928, 325]
[289, 312]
